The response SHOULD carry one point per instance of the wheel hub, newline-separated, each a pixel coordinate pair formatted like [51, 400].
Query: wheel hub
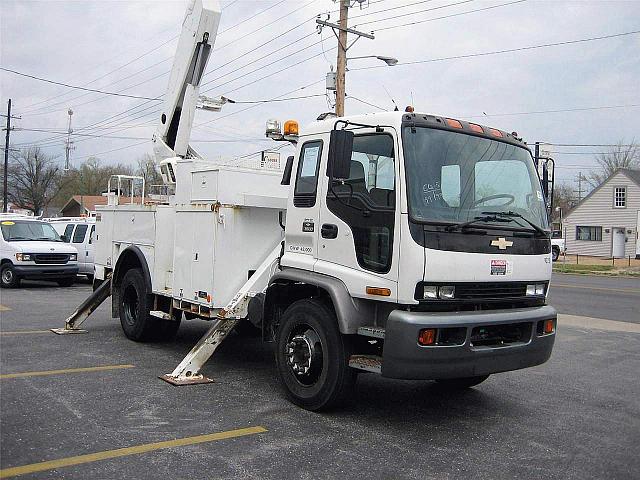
[7, 276]
[303, 354]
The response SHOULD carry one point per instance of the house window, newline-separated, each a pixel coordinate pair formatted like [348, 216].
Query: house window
[593, 234]
[620, 197]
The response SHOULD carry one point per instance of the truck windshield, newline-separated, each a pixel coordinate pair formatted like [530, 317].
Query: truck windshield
[454, 177]
[16, 230]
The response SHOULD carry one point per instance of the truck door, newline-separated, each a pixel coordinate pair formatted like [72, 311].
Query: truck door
[89, 248]
[301, 244]
[358, 221]
[78, 241]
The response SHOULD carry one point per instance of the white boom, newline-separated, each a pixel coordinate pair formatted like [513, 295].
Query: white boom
[199, 30]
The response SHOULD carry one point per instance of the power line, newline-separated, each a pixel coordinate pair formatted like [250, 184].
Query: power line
[365, 102]
[415, 13]
[449, 16]
[510, 50]
[563, 110]
[74, 86]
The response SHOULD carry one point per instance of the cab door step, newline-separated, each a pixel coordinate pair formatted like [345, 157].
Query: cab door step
[375, 332]
[368, 363]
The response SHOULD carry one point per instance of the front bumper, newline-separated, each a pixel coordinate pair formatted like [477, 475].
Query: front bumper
[404, 358]
[45, 272]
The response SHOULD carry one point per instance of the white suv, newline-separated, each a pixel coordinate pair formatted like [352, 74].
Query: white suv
[32, 249]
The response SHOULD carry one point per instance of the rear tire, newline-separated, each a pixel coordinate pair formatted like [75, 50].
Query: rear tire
[66, 282]
[8, 277]
[460, 383]
[133, 308]
[312, 357]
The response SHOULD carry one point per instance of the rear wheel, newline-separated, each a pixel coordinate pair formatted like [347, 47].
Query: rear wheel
[136, 322]
[461, 383]
[312, 357]
[8, 277]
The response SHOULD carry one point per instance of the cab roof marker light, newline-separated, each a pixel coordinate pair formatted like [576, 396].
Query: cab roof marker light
[453, 123]
[495, 132]
[476, 128]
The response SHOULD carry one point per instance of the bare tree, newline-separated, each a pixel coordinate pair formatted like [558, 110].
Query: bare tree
[148, 169]
[32, 178]
[563, 197]
[623, 155]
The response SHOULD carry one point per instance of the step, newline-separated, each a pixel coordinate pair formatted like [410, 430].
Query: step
[375, 332]
[368, 363]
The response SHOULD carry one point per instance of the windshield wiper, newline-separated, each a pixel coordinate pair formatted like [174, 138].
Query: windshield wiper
[486, 218]
[517, 215]
[48, 239]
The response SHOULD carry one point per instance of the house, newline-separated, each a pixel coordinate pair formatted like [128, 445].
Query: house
[79, 205]
[605, 223]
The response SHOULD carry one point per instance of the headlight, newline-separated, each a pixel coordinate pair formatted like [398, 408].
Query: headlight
[23, 257]
[535, 289]
[73, 257]
[434, 292]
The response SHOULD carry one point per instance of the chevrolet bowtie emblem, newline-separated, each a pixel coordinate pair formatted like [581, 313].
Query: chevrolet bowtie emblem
[502, 243]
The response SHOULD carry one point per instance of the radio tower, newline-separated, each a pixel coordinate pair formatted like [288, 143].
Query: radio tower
[68, 143]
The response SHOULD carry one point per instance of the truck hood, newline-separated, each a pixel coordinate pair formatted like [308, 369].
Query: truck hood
[447, 266]
[42, 247]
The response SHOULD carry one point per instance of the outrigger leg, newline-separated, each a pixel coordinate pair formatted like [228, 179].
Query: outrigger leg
[85, 309]
[187, 372]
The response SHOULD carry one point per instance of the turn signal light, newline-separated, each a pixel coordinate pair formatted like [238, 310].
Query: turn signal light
[383, 292]
[291, 127]
[427, 336]
[548, 326]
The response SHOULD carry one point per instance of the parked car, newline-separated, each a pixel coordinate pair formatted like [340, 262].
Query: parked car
[79, 231]
[32, 249]
[557, 247]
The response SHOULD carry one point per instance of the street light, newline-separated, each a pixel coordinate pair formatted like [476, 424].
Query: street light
[388, 60]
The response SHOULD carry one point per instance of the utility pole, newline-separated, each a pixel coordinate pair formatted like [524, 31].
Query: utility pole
[68, 142]
[341, 62]
[5, 201]
[579, 186]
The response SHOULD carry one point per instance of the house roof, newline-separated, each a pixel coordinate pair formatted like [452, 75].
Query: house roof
[87, 201]
[632, 174]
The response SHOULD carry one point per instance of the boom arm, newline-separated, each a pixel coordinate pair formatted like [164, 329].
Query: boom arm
[199, 30]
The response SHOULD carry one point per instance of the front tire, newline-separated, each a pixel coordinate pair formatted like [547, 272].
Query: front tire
[66, 282]
[312, 357]
[555, 253]
[8, 277]
[460, 383]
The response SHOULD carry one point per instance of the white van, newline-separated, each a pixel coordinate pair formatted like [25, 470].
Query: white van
[79, 231]
[32, 249]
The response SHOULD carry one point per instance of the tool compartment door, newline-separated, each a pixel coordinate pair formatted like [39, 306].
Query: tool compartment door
[194, 255]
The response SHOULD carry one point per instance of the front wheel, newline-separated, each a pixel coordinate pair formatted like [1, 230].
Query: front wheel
[8, 277]
[555, 253]
[461, 383]
[312, 357]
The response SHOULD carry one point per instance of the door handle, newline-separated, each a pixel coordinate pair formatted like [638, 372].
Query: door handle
[329, 230]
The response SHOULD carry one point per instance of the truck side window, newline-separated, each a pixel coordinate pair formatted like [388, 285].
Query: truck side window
[366, 200]
[91, 233]
[67, 232]
[304, 194]
[78, 235]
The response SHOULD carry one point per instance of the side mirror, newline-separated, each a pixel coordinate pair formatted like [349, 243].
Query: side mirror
[64, 238]
[286, 175]
[340, 149]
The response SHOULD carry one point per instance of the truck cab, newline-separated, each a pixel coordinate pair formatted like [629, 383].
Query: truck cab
[31, 249]
[428, 240]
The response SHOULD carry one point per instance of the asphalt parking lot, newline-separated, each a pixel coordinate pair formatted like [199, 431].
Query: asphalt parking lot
[577, 416]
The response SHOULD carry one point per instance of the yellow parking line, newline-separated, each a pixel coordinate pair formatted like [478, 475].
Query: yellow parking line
[4, 308]
[123, 452]
[24, 332]
[605, 289]
[68, 370]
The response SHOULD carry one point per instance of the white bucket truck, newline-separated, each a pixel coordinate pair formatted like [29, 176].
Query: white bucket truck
[414, 246]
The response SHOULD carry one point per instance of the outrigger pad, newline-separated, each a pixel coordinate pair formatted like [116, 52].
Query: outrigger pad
[178, 382]
[66, 331]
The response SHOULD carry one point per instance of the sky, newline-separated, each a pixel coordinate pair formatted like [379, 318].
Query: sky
[584, 93]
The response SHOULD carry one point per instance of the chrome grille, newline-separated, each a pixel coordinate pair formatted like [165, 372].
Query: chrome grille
[50, 258]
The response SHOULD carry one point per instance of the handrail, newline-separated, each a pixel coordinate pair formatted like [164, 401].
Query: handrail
[131, 179]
